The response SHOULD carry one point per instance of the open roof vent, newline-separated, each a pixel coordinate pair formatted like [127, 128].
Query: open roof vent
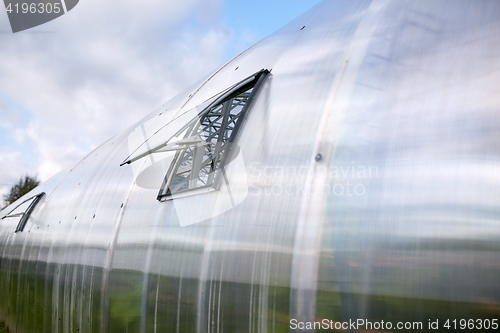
[24, 210]
[205, 145]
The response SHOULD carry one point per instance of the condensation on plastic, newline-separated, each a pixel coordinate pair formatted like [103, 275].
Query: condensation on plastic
[371, 165]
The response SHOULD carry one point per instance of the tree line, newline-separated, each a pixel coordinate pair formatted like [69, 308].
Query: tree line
[25, 184]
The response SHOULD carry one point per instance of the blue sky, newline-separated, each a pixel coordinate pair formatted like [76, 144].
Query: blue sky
[260, 17]
[72, 83]
[263, 17]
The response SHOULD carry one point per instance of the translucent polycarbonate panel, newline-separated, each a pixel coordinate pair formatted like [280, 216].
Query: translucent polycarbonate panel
[411, 224]
[366, 186]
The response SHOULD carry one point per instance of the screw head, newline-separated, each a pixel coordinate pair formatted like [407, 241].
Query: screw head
[318, 157]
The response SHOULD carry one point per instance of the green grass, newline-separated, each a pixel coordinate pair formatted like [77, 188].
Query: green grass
[3, 328]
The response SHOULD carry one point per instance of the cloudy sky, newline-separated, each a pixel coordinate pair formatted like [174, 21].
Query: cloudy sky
[70, 84]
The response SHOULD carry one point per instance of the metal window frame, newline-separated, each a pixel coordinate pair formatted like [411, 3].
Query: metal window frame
[26, 214]
[254, 81]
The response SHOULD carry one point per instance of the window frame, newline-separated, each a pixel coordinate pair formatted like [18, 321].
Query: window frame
[26, 214]
[253, 82]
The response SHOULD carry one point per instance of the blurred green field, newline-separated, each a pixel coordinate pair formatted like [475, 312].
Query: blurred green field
[3, 328]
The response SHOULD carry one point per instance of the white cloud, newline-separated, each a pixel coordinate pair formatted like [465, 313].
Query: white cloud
[106, 65]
